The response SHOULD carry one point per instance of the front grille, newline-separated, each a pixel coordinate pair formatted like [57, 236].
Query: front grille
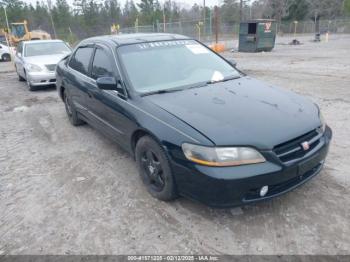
[292, 149]
[51, 67]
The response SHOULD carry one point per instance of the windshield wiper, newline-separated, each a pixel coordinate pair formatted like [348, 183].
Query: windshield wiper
[229, 78]
[198, 85]
[171, 90]
[161, 92]
[186, 87]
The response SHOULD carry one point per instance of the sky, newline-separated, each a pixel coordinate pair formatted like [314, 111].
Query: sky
[183, 3]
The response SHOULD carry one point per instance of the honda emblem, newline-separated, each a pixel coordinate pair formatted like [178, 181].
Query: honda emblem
[305, 145]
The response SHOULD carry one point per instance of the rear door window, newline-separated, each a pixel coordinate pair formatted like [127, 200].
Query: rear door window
[81, 60]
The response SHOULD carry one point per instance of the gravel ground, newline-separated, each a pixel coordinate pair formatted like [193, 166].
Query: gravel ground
[69, 190]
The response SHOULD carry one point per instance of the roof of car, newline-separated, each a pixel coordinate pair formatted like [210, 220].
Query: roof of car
[42, 41]
[137, 38]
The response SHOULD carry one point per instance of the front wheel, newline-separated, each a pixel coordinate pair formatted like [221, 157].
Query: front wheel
[21, 79]
[154, 169]
[31, 87]
[71, 111]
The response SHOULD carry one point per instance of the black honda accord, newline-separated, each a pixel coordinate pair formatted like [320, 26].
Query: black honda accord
[196, 126]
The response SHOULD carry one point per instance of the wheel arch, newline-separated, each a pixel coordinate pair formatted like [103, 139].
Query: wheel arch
[138, 134]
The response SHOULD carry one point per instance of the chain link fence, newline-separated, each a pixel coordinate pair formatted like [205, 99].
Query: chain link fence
[206, 31]
[308, 27]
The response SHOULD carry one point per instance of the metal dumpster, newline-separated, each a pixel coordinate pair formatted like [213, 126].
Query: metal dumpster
[257, 35]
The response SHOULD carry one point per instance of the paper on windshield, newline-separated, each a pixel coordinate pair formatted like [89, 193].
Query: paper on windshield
[197, 49]
[217, 76]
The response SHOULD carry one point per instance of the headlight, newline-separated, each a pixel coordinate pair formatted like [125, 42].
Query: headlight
[33, 68]
[323, 121]
[222, 156]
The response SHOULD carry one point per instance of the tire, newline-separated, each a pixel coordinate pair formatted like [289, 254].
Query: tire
[31, 88]
[6, 57]
[154, 169]
[71, 111]
[21, 79]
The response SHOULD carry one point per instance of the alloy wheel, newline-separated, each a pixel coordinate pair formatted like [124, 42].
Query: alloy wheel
[153, 169]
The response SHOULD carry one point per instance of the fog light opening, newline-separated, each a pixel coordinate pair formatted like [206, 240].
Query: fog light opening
[264, 190]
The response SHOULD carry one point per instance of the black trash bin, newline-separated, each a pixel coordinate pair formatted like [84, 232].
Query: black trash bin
[257, 35]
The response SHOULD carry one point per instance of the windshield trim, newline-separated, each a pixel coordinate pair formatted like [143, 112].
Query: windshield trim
[131, 87]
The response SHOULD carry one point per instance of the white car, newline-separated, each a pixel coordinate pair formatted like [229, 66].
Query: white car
[36, 61]
[5, 52]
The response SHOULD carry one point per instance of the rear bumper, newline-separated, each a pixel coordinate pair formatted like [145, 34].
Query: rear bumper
[41, 78]
[235, 186]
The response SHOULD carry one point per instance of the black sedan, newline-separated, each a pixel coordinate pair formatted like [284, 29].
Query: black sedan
[196, 126]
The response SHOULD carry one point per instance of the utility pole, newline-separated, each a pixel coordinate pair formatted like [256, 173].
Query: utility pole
[250, 11]
[204, 24]
[216, 21]
[7, 22]
[8, 29]
[52, 23]
[164, 17]
[210, 22]
[241, 10]
[7, 34]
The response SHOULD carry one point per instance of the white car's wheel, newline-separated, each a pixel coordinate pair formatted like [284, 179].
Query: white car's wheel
[6, 57]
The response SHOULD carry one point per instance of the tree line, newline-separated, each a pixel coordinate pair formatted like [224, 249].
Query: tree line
[90, 17]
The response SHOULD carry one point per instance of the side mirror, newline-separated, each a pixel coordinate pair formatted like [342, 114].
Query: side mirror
[109, 83]
[232, 62]
[106, 83]
[19, 54]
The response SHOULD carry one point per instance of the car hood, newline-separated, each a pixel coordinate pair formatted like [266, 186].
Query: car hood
[44, 59]
[244, 111]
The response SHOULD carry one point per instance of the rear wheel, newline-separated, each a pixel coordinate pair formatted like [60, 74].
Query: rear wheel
[6, 57]
[154, 169]
[71, 111]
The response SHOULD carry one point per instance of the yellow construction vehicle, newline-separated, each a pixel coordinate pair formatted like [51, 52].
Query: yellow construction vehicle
[19, 32]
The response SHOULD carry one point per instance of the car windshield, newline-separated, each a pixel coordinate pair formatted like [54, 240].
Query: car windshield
[166, 65]
[50, 48]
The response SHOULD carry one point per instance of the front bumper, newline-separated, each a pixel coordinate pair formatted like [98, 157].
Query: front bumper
[235, 186]
[41, 78]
